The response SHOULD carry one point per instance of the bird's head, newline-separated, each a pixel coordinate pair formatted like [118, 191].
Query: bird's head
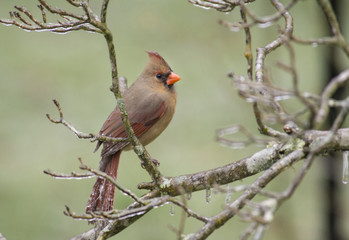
[157, 71]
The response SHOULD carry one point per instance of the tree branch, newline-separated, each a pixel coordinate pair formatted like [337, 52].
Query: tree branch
[91, 136]
[221, 218]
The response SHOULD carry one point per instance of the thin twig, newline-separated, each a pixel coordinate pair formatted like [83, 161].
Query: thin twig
[72, 175]
[190, 212]
[333, 22]
[331, 87]
[248, 41]
[104, 11]
[238, 144]
[127, 192]
[91, 136]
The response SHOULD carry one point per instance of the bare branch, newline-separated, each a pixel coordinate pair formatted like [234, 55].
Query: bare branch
[329, 90]
[112, 180]
[284, 37]
[190, 212]
[248, 50]
[104, 11]
[337, 38]
[43, 13]
[220, 5]
[260, 161]
[249, 231]
[72, 175]
[221, 133]
[91, 136]
[332, 20]
[221, 218]
[262, 22]
[71, 22]
[292, 69]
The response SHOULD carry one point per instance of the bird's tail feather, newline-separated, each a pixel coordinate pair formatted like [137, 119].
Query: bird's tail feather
[102, 195]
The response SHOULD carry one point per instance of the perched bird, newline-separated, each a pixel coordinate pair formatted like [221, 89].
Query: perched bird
[150, 103]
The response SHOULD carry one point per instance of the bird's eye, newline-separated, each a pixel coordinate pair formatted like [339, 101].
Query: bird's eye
[158, 76]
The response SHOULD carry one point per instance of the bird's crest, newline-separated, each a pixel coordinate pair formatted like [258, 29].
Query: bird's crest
[157, 59]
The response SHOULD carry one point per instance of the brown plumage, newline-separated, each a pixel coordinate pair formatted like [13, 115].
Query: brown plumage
[150, 103]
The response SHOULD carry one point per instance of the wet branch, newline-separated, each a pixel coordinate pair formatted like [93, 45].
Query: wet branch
[258, 162]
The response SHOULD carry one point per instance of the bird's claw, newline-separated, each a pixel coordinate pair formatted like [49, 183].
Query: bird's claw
[154, 161]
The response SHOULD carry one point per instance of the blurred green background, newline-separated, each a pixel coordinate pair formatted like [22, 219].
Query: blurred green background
[74, 69]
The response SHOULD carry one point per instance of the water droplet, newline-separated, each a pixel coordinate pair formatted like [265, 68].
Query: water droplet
[345, 167]
[208, 195]
[188, 195]
[228, 195]
[314, 44]
[172, 209]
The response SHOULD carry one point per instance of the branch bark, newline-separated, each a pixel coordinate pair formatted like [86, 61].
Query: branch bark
[272, 161]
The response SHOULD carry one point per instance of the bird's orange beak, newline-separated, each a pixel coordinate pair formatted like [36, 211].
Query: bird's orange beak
[172, 78]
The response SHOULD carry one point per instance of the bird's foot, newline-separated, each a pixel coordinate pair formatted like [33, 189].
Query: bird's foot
[154, 161]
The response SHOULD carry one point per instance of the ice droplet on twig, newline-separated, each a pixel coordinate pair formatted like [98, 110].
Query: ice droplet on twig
[208, 195]
[345, 167]
[228, 195]
[172, 209]
[188, 195]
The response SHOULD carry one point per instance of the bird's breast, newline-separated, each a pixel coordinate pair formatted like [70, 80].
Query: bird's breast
[160, 125]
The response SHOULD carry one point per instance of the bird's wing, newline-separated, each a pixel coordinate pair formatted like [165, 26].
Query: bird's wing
[149, 112]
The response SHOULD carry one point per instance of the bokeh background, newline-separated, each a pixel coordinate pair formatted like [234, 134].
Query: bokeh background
[74, 69]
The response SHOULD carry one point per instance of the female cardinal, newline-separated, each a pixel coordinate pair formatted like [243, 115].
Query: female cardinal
[150, 103]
